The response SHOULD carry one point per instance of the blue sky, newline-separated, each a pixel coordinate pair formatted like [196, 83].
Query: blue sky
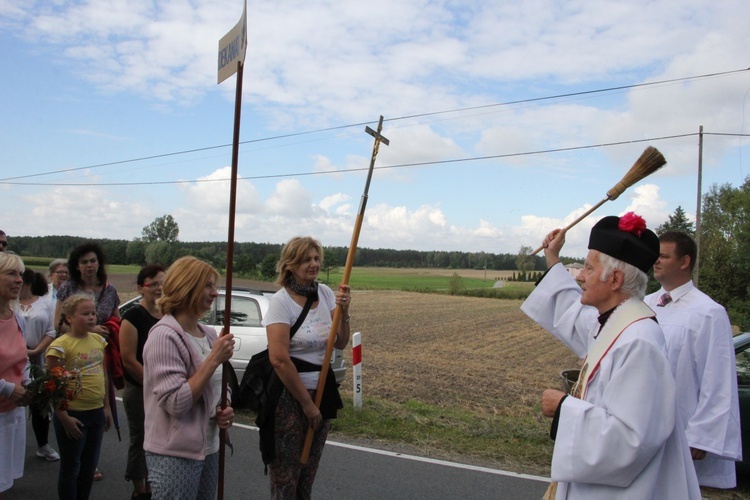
[89, 83]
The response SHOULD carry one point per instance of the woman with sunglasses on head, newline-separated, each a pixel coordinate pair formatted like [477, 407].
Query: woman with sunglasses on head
[136, 323]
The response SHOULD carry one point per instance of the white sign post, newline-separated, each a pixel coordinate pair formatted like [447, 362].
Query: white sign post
[232, 48]
[357, 369]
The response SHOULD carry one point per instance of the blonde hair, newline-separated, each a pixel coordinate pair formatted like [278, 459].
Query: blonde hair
[69, 306]
[293, 254]
[183, 286]
[11, 261]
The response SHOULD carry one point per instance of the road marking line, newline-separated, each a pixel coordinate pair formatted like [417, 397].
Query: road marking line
[440, 462]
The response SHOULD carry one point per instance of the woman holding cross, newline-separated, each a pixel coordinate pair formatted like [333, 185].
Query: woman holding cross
[298, 360]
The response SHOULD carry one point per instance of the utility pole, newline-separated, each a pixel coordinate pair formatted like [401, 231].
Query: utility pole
[698, 207]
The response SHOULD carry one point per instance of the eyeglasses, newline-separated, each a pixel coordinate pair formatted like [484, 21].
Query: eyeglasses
[62, 273]
[3, 243]
[153, 284]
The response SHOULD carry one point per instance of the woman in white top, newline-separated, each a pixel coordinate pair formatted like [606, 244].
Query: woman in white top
[297, 362]
[39, 334]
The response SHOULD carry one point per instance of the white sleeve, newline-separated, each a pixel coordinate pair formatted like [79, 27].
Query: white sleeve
[280, 310]
[715, 425]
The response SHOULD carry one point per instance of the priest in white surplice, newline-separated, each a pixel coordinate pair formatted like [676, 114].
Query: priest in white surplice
[620, 435]
[701, 352]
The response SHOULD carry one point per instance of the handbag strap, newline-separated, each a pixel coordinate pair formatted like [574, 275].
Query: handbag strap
[302, 316]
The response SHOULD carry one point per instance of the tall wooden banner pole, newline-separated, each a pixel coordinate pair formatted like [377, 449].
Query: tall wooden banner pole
[344, 281]
[230, 270]
[231, 59]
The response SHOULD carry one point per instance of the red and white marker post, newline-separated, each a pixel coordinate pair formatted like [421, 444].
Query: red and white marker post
[357, 369]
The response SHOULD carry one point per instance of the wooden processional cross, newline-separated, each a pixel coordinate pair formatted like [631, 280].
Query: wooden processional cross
[344, 281]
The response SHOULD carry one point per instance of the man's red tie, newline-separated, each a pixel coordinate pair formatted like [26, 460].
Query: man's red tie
[664, 299]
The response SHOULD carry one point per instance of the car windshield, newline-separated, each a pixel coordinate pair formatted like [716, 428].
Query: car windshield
[245, 311]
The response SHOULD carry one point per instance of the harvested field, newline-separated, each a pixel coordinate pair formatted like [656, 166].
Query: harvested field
[482, 354]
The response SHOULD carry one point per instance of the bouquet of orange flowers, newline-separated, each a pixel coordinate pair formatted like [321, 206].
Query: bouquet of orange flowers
[52, 389]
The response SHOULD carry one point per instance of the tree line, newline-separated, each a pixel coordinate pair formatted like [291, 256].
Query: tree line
[250, 257]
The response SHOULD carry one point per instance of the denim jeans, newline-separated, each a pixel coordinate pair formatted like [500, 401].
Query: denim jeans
[78, 457]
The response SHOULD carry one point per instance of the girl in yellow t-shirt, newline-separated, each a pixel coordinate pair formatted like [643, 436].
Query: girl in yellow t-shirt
[80, 427]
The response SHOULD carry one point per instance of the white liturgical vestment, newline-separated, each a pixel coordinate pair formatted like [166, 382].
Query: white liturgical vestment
[701, 353]
[624, 440]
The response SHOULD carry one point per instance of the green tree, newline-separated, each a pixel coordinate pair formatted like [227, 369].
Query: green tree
[677, 222]
[268, 266]
[136, 252]
[525, 260]
[330, 263]
[160, 252]
[725, 249]
[163, 228]
[245, 265]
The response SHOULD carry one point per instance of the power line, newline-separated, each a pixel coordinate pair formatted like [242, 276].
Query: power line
[384, 167]
[341, 127]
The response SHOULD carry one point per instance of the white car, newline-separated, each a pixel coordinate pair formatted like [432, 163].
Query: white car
[248, 307]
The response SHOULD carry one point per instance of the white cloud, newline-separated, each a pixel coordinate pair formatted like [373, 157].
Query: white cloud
[335, 199]
[290, 199]
[646, 202]
[211, 194]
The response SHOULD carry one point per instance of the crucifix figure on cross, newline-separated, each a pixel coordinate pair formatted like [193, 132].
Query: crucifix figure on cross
[378, 139]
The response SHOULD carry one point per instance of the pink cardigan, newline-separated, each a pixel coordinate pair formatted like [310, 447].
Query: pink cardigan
[174, 426]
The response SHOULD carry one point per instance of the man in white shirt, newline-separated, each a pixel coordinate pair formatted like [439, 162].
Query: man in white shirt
[701, 354]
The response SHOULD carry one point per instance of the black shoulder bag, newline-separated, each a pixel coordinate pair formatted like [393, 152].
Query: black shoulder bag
[253, 390]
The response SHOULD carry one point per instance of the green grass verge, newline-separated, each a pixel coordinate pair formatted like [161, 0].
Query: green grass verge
[450, 432]
[519, 443]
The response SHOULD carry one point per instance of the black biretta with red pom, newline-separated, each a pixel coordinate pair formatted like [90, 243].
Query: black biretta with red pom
[627, 239]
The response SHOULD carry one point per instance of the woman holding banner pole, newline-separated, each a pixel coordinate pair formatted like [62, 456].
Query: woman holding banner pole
[297, 362]
[182, 365]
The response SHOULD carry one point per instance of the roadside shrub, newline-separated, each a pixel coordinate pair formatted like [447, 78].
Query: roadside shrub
[456, 285]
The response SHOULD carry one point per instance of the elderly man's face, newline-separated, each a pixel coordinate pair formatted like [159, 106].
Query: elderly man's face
[595, 291]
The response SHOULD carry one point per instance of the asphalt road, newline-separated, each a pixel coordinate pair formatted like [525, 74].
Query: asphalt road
[346, 472]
